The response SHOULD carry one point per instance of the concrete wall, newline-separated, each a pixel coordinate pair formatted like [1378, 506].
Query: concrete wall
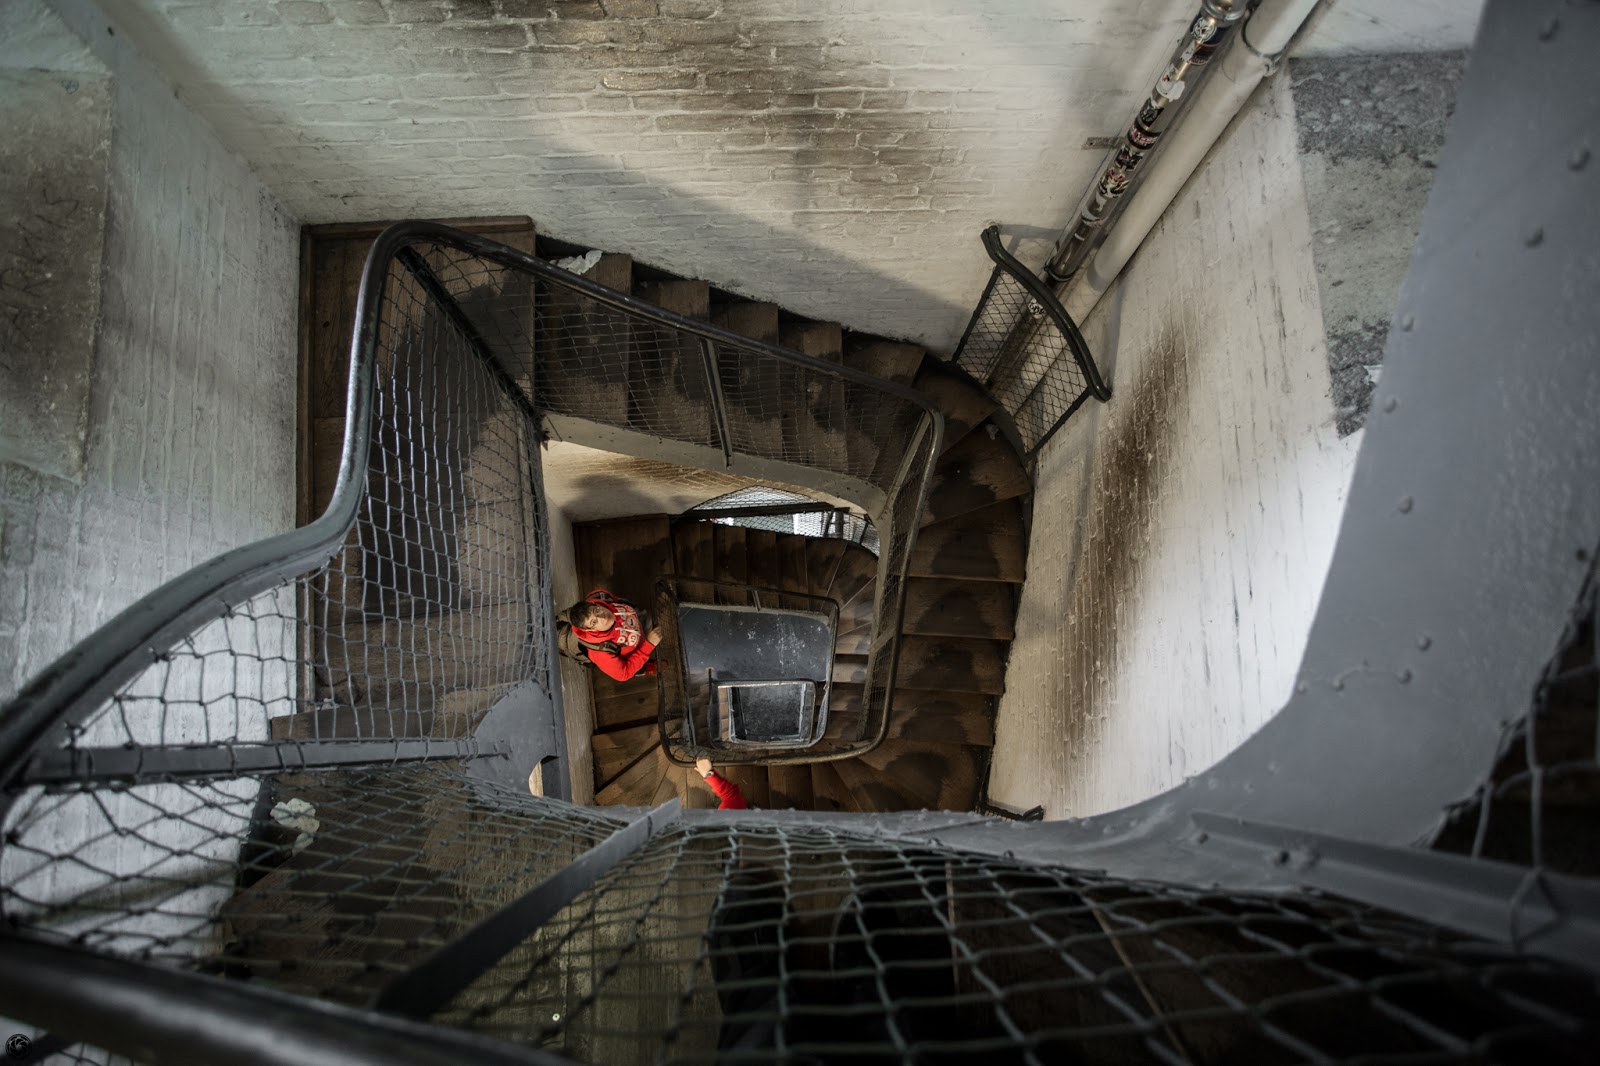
[190, 425]
[1181, 533]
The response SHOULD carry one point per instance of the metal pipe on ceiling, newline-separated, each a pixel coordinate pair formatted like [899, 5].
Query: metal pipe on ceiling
[1253, 57]
[1206, 33]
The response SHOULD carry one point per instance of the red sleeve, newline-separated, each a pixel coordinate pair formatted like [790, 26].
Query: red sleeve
[623, 666]
[728, 792]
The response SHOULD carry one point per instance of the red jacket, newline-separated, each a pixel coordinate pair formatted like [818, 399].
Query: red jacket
[626, 632]
[728, 792]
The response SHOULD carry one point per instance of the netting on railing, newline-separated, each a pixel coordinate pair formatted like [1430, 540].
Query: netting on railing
[769, 944]
[1540, 806]
[1021, 344]
[782, 511]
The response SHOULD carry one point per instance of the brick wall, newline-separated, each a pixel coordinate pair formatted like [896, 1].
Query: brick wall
[190, 447]
[839, 158]
[1182, 532]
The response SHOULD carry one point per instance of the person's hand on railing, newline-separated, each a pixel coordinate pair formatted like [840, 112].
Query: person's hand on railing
[654, 636]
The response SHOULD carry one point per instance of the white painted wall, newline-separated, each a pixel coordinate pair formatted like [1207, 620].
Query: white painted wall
[191, 417]
[190, 451]
[1182, 532]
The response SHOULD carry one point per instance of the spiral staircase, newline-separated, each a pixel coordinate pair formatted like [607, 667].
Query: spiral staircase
[961, 590]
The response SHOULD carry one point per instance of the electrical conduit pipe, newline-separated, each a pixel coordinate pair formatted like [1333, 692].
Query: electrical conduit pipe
[1254, 55]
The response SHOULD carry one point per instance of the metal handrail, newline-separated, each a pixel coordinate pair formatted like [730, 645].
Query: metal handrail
[1008, 267]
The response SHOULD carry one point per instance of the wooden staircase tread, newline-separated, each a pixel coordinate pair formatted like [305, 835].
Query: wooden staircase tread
[614, 751]
[925, 722]
[750, 318]
[751, 779]
[977, 472]
[961, 401]
[789, 787]
[625, 557]
[684, 297]
[573, 335]
[986, 544]
[637, 786]
[668, 387]
[949, 608]
[894, 361]
[857, 568]
[820, 340]
[934, 775]
[870, 790]
[694, 549]
[822, 561]
[619, 705]
[829, 792]
[952, 664]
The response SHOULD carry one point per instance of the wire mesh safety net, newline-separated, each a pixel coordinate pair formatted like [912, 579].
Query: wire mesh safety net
[1024, 352]
[791, 513]
[1540, 804]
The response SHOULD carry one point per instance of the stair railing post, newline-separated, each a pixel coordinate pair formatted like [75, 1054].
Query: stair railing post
[719, 403]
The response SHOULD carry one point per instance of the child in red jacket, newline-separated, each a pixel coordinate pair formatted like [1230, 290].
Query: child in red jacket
[611, 634]
[728, 792]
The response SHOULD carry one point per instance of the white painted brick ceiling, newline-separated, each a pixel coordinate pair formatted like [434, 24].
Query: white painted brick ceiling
[837, 157]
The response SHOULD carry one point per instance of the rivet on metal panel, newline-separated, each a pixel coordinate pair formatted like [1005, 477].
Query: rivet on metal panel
[1408, 323]
[1403, 675]
[1535, 237]
[1424, 642]
[1548, 30]
[1405, 504]
[1390, 404]
[1578, 159]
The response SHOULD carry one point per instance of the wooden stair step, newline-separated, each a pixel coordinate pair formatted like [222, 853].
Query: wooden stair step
[757, 390]
[694, 549]
[849, 669]
[732, 564]
[816, 418]
[942, 717]
[820, 340]
[961, 401]
[870, 790]
[845, 712]
[822, 562]
[624, 556]
[638, 785]
[621, 705]
[828, 790]
[952, 664]
[936, 776]
[950, 608]
[764, 565]
[982, 545]
[857, 570]
[752, 781]
[977, 472]
[789, 787]
[893, 361]
[670, 393]
[617, 749]
[856, 641]
[576, 338]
